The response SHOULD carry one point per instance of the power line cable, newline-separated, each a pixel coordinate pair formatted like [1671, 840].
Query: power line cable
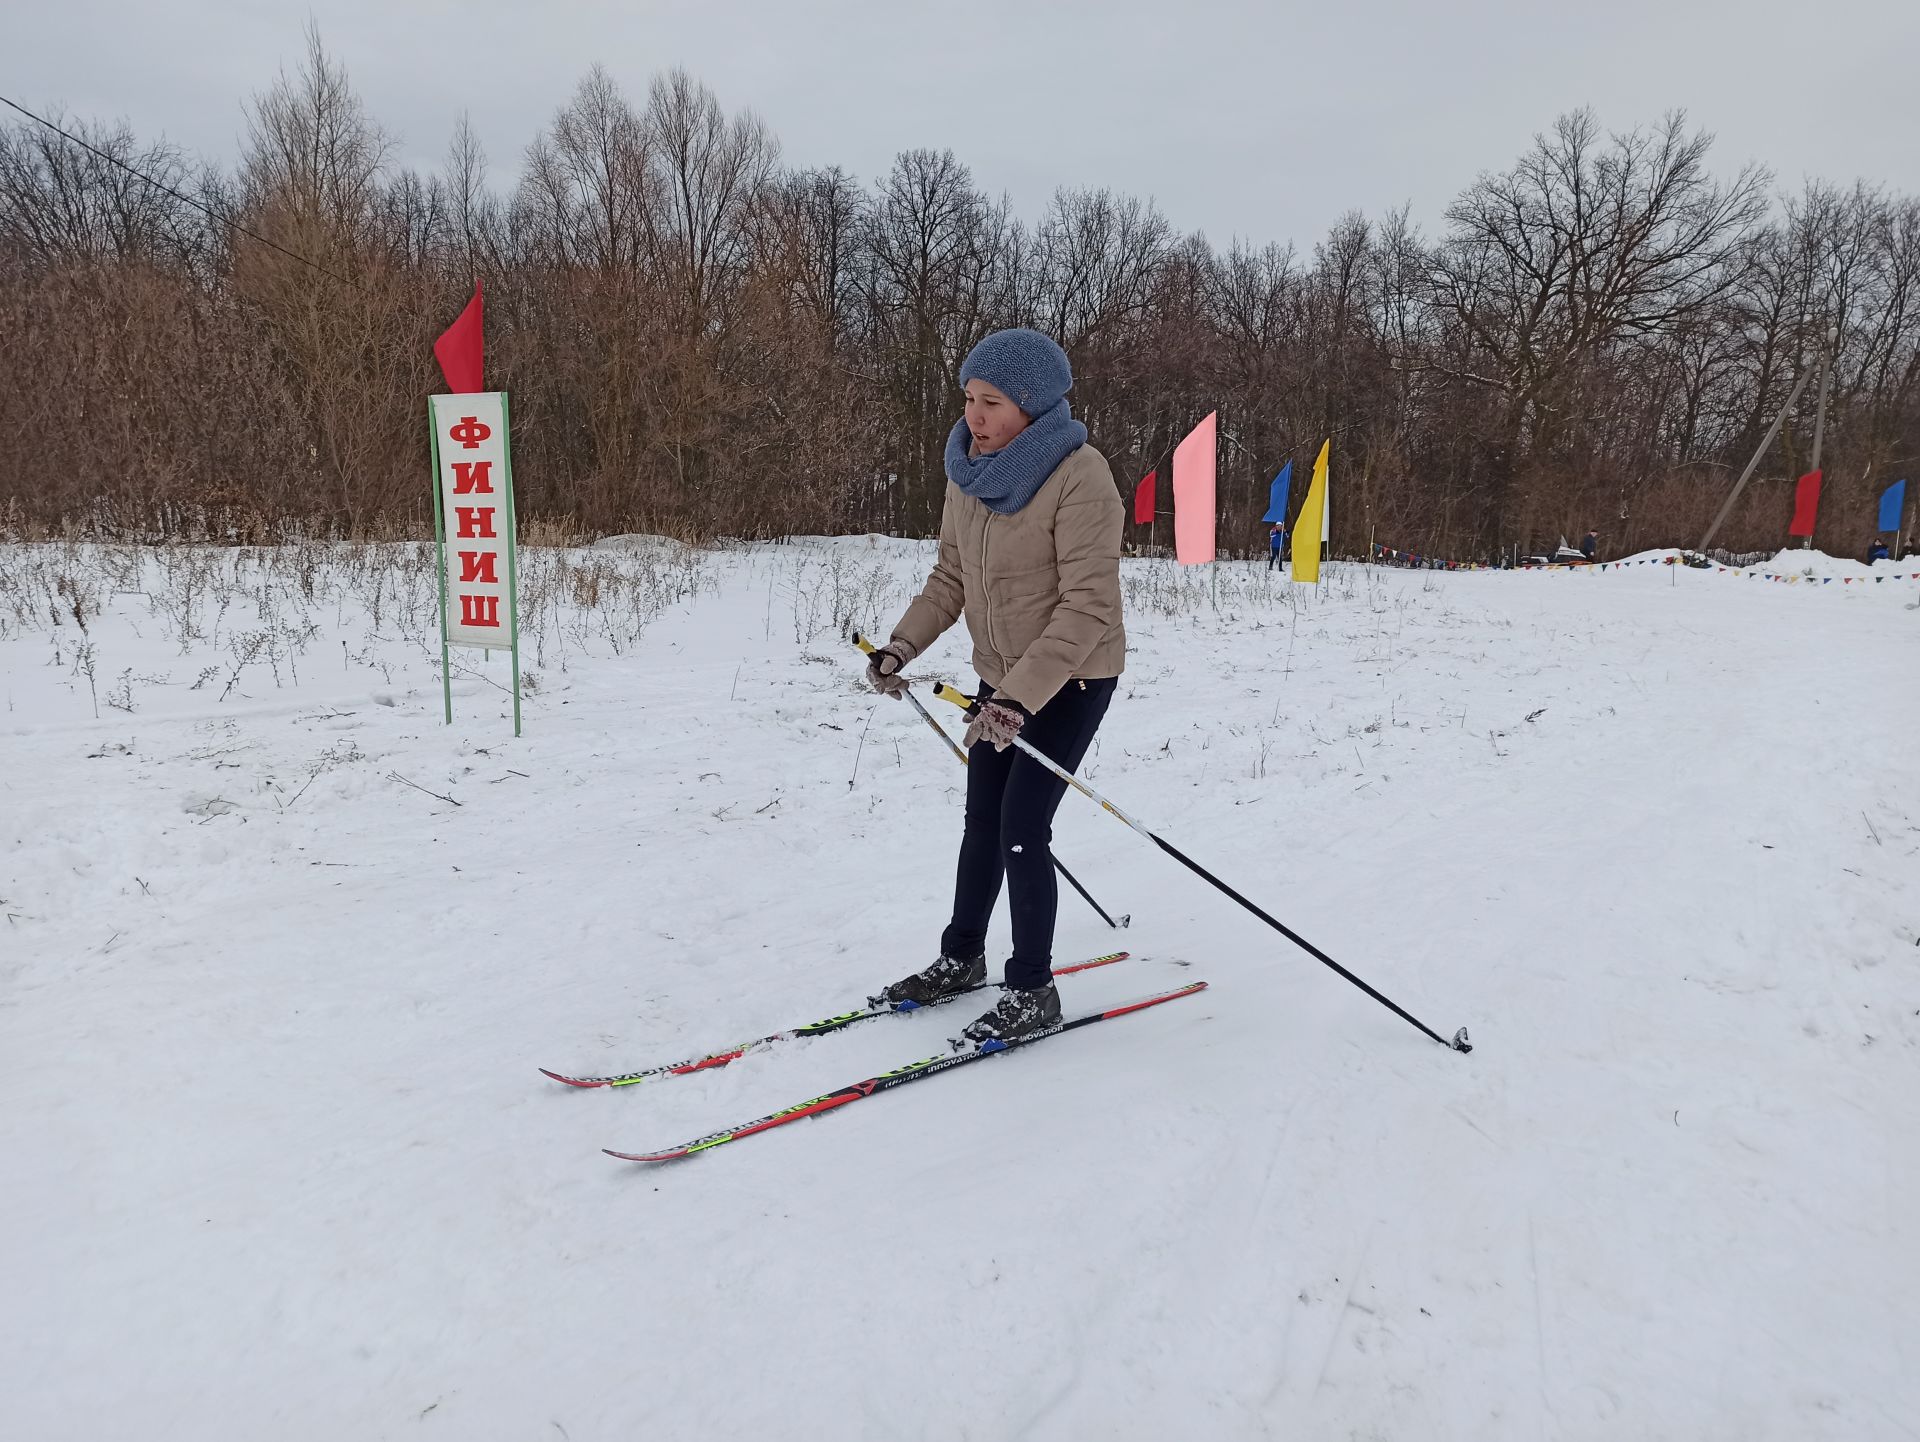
[200, 206]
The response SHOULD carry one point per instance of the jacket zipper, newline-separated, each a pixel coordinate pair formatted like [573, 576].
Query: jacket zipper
[986, 587]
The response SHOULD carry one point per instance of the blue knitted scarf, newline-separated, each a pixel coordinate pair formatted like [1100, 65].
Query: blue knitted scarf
[1006, 480]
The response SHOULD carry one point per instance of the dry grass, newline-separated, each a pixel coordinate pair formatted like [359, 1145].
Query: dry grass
[250, 609]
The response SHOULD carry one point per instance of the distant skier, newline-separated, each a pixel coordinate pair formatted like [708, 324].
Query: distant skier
[1590, 544]
[1276, 542]
[1030, 555]
[1876, 552]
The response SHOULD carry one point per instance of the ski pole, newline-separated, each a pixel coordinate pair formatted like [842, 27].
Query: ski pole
[960, 751]
[925, 715]
[970, 706]
[1088, 897]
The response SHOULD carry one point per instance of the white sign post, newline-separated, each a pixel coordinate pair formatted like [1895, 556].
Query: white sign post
[473, 523]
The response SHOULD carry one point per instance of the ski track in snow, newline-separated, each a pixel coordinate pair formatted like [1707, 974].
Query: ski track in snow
[280, 1165]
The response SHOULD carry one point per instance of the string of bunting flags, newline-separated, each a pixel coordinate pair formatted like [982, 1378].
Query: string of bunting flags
[1699, 564]
[1415, 560]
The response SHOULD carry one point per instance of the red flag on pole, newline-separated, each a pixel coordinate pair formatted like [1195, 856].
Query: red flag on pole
[460, 348]
[1143, 499]
[1806, 501]
[1193, 471]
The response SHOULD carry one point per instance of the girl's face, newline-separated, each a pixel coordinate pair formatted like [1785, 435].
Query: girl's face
[992, 418]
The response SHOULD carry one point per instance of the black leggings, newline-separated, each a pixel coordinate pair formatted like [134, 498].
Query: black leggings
[1011, 799]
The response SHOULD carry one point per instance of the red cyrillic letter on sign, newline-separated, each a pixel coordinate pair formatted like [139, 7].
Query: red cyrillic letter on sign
[478, 566]
[479, 610]
[470, 432]
[472, 476]
[476, 522]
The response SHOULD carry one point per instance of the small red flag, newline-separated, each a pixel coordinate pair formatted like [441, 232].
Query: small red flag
[460, 348]
[1143, 499]
[1806, 501]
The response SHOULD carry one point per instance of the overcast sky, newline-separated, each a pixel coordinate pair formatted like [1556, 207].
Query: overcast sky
[1265, 121]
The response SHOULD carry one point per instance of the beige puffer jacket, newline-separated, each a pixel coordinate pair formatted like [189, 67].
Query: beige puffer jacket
[1040, 588]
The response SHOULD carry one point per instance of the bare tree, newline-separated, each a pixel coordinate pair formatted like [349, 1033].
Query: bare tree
[1554, 270]
[701, 342]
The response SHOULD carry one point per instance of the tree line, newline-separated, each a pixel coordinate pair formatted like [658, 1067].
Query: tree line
[701, 341]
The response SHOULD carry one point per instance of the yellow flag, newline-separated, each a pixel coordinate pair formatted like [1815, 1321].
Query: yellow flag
[1306, 526]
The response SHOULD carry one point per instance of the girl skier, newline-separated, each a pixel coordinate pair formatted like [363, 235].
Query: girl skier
[1030, 555]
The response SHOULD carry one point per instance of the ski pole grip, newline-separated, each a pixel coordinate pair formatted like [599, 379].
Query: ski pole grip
[863, 643]
[958, 697]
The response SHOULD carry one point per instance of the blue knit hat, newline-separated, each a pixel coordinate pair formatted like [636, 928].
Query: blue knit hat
[1024, 365]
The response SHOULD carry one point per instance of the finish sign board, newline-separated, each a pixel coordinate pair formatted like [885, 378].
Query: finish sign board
[474, 525]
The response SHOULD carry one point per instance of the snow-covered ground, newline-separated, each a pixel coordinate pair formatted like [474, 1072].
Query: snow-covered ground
[1796, 561]
[280, 952]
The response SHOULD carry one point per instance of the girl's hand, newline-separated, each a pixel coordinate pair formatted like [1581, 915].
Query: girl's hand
[995, 721]
[884, 667]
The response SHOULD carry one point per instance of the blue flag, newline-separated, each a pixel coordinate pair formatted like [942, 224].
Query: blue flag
[1277, 499]
[1893, 501]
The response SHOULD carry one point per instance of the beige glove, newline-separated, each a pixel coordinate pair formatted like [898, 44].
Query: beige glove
[886, 663]
[995, 721]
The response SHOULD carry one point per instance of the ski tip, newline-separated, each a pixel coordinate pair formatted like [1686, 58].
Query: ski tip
[1108, 960]
[642, 1156]
[572, 1081]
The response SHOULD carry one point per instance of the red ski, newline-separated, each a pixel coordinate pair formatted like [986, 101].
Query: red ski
[817, 1028]
[900, 1076]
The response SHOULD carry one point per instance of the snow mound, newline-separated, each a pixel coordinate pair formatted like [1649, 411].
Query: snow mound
[640, 541]
[1794, 561]
[870, 542]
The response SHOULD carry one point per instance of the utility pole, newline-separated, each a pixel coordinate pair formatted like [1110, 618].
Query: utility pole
[1766, 444]
[1766, 441]
[1820, 416]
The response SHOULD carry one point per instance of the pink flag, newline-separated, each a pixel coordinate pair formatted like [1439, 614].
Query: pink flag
[1193, 468]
